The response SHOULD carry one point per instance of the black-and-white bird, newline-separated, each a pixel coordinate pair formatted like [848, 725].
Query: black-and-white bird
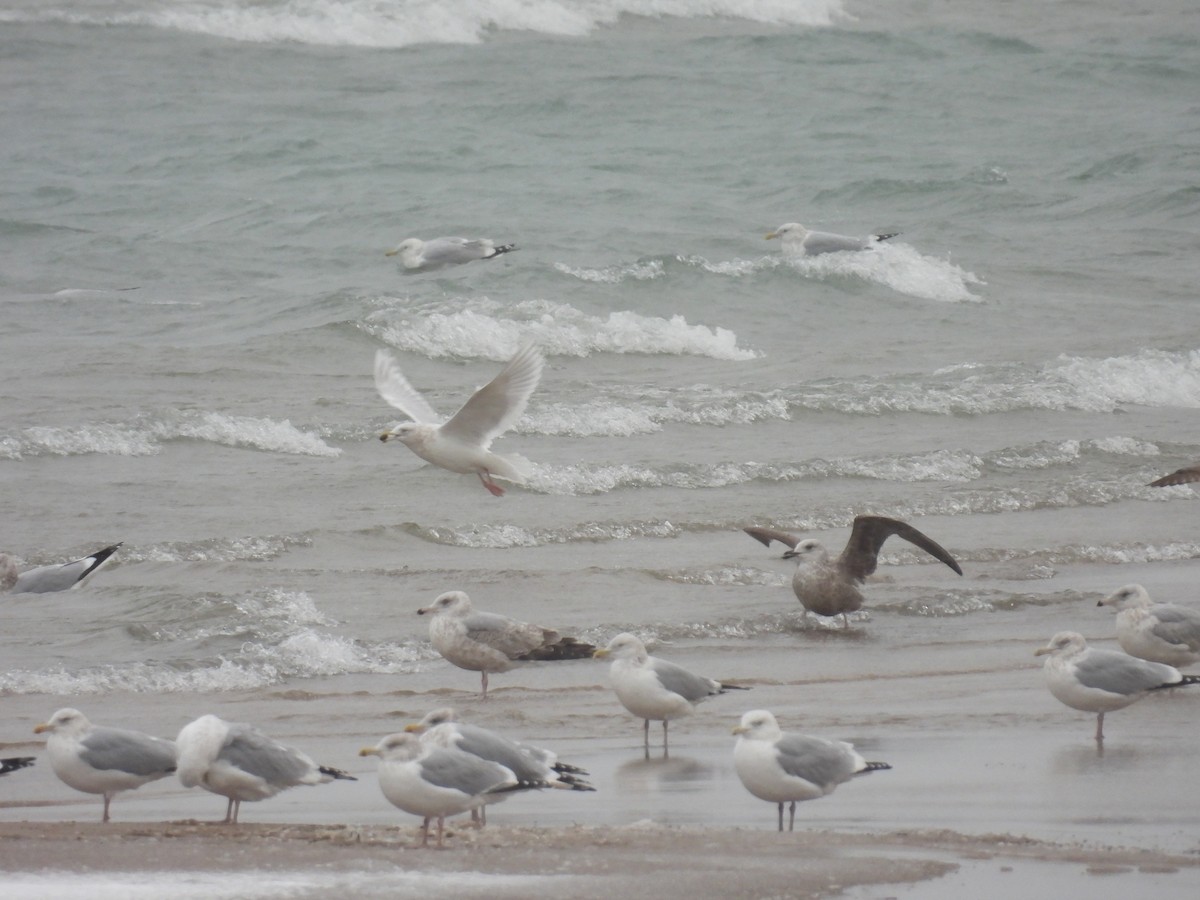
[799, 241]
[417, 255]
[46, 579]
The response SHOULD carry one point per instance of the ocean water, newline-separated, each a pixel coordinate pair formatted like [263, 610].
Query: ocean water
[197, 197]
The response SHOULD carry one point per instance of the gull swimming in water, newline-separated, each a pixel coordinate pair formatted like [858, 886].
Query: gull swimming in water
[488, 642]
[829, 587]
[1100, 681]
[461, 443]
[1180, 476]
[653, 688]
[431, 781]
[799, 241]
[1160, 632]
[417, 255]
[533, 765]
[99, 760]
[780, 767]
[45, 579]
[239, 762]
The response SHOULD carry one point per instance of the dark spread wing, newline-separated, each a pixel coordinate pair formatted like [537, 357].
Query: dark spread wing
[859, 558]
[1179, 476]
[765, 535]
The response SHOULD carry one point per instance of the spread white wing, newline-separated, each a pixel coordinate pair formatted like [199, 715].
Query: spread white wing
[395, 389]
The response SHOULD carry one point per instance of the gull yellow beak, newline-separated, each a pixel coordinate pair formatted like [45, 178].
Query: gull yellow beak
[415, 728]
[391, 252]
[772, 235]
[38, 729]
[1042, 651]
[602, 653]
[739, 729]
[368, 751]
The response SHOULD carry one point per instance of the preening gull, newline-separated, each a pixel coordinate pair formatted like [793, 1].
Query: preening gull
[45, 579]
[431, 781]
[1160, 632]
[100, 760]
[417, 255]
[1179, 476]
[13, 763]
[1100, 681]
[829, 587]
[789, 768]
[461, 443]
[799, 241]
[488, 642]
[653, 688]
[239, 762]
[441, 728]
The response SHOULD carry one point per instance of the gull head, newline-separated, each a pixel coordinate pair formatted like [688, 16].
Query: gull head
[432, 719]
[405, 246]
[808, 550]
[1131, 596]
[758, 725]
[405, 432]
[452, 603]
[1065, 643]
[65, 721]
[400, 746]
[792, 230]
[623, 646]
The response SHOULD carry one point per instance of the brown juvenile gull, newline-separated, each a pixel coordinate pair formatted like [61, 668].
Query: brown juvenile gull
[239, 763]
[99, 760]
[1179, 476]
[653, 688]
[431, 781]
[488, 642]
[441, 728]
[1094, 680]
[13, 763]
[461, 443]
[799, 241]
[417, 255]
[829, 587]
[1160, 632]
[781, 767]
[45, 579]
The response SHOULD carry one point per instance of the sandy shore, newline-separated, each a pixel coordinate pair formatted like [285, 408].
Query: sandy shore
[264, 860]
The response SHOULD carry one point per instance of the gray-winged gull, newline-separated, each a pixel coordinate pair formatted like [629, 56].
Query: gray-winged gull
[461, 443]
[829, 587]
[1160, 632]
[441, 728]
[239, 762]
[435, 782]
[488, 642]
[655, 689]
[1094, 680]
[45, 579]
[799, 241]
[781, 768]
[417, 255]
[101, 760]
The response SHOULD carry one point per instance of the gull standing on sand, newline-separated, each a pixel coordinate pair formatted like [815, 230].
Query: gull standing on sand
[653, 688]
[100, 760]
[829, 587]
[488, 642]
[1100, 681]
[14, 763]
[1179, 476]
[461, 443]
[45, 579]
[431, 781]
[239, 762]
[417, 255]
[799, 241]
[1160, 632]
[441, 728]
[784, 768]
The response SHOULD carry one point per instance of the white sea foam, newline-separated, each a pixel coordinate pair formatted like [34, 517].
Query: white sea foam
[369, 23]
[646, 409]
[487, 329]
[642, 270]
[146, 436]
[897, 266]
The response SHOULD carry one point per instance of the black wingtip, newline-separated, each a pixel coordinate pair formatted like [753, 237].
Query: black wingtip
[503, 248]
[885, 237]
[336, 773]
[13, 763]
[876, 767]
